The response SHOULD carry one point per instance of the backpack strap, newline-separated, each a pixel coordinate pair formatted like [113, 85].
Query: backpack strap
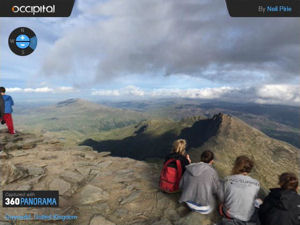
[178, 165]
[165, 166]
[179, 172]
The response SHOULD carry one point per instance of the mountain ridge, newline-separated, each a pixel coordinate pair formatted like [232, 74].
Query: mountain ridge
[101, 188]
[225, 135]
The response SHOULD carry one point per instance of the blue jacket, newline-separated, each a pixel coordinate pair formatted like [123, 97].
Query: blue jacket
[8, 102]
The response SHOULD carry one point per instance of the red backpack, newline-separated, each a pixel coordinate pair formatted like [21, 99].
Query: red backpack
[170, 177]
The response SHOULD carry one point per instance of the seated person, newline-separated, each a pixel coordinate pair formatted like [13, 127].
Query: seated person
[200, 184]
[282, 205]
[174, 166]
[240, 193]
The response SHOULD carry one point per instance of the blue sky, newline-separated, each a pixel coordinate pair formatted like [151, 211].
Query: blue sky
[137, 49]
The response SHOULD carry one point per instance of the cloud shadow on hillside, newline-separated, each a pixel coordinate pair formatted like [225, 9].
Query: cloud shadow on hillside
[143, 146]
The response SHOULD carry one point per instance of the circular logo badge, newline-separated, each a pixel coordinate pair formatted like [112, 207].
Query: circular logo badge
[22, 41]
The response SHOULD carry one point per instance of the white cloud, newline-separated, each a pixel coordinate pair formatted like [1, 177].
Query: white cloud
[265, 94]
[279, 94]
[205, 93]
[285, 94]
[40, 90]
[105, 93]
[130, 91]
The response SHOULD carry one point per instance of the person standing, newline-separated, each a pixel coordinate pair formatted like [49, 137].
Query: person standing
[8, 110]
[1, 108]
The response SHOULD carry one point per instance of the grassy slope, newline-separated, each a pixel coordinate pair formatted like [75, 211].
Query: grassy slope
[228, 137]
[234, 138]
[75, 119]
[280, 122]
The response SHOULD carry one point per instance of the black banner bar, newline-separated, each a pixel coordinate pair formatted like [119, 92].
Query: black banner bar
[36, 8]
[29, 199]
[263, 8]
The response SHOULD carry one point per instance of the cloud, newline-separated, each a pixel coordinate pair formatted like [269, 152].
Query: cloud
[130, 91]
[267, 94]
[195, 38]
[205, 93]
[280, 94]
[40, 90]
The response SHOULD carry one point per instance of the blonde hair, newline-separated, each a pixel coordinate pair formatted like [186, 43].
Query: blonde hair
[179, 146]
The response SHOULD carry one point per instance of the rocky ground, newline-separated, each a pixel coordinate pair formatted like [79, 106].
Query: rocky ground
[98, 188]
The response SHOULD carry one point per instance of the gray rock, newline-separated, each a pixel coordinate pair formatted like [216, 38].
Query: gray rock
[103, 154]
[171, 214]
[100, 220]
[49, 157]
[126, 171]
[83, 163]
[24, 188]
[182, 210]
[3, 155]
[72, 176]
[121, 213]
[104, 164]
[163, 221]
[91, 194]
[131, 197]
[29, 144]
[90, 155]
[194, 218]
[85, 171]
[35, 171]
[11, 146]
[11, 173]
[19, 153]
[60, 185]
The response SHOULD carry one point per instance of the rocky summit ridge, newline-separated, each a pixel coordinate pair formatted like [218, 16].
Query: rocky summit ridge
[103, 190]
[98, 188]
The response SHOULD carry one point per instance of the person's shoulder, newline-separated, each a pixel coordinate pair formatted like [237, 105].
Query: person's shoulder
[254, 181]
[210, 168]
[240, 177]
[172, 156]
[295, 196]
[230, 177]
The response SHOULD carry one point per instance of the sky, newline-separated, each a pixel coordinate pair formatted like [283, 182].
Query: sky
[145, 49]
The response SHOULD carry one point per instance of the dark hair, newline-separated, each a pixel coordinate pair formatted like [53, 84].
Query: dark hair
[242, 164]
[2, 90]
[288, 181]
[207, 156]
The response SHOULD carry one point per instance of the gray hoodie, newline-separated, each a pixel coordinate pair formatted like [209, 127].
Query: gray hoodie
[200, 184]
[240, 193]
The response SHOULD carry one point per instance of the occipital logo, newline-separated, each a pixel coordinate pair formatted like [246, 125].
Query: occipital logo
[50, 9]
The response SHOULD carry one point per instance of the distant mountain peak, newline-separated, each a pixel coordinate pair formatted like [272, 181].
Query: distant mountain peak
[69, 102]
